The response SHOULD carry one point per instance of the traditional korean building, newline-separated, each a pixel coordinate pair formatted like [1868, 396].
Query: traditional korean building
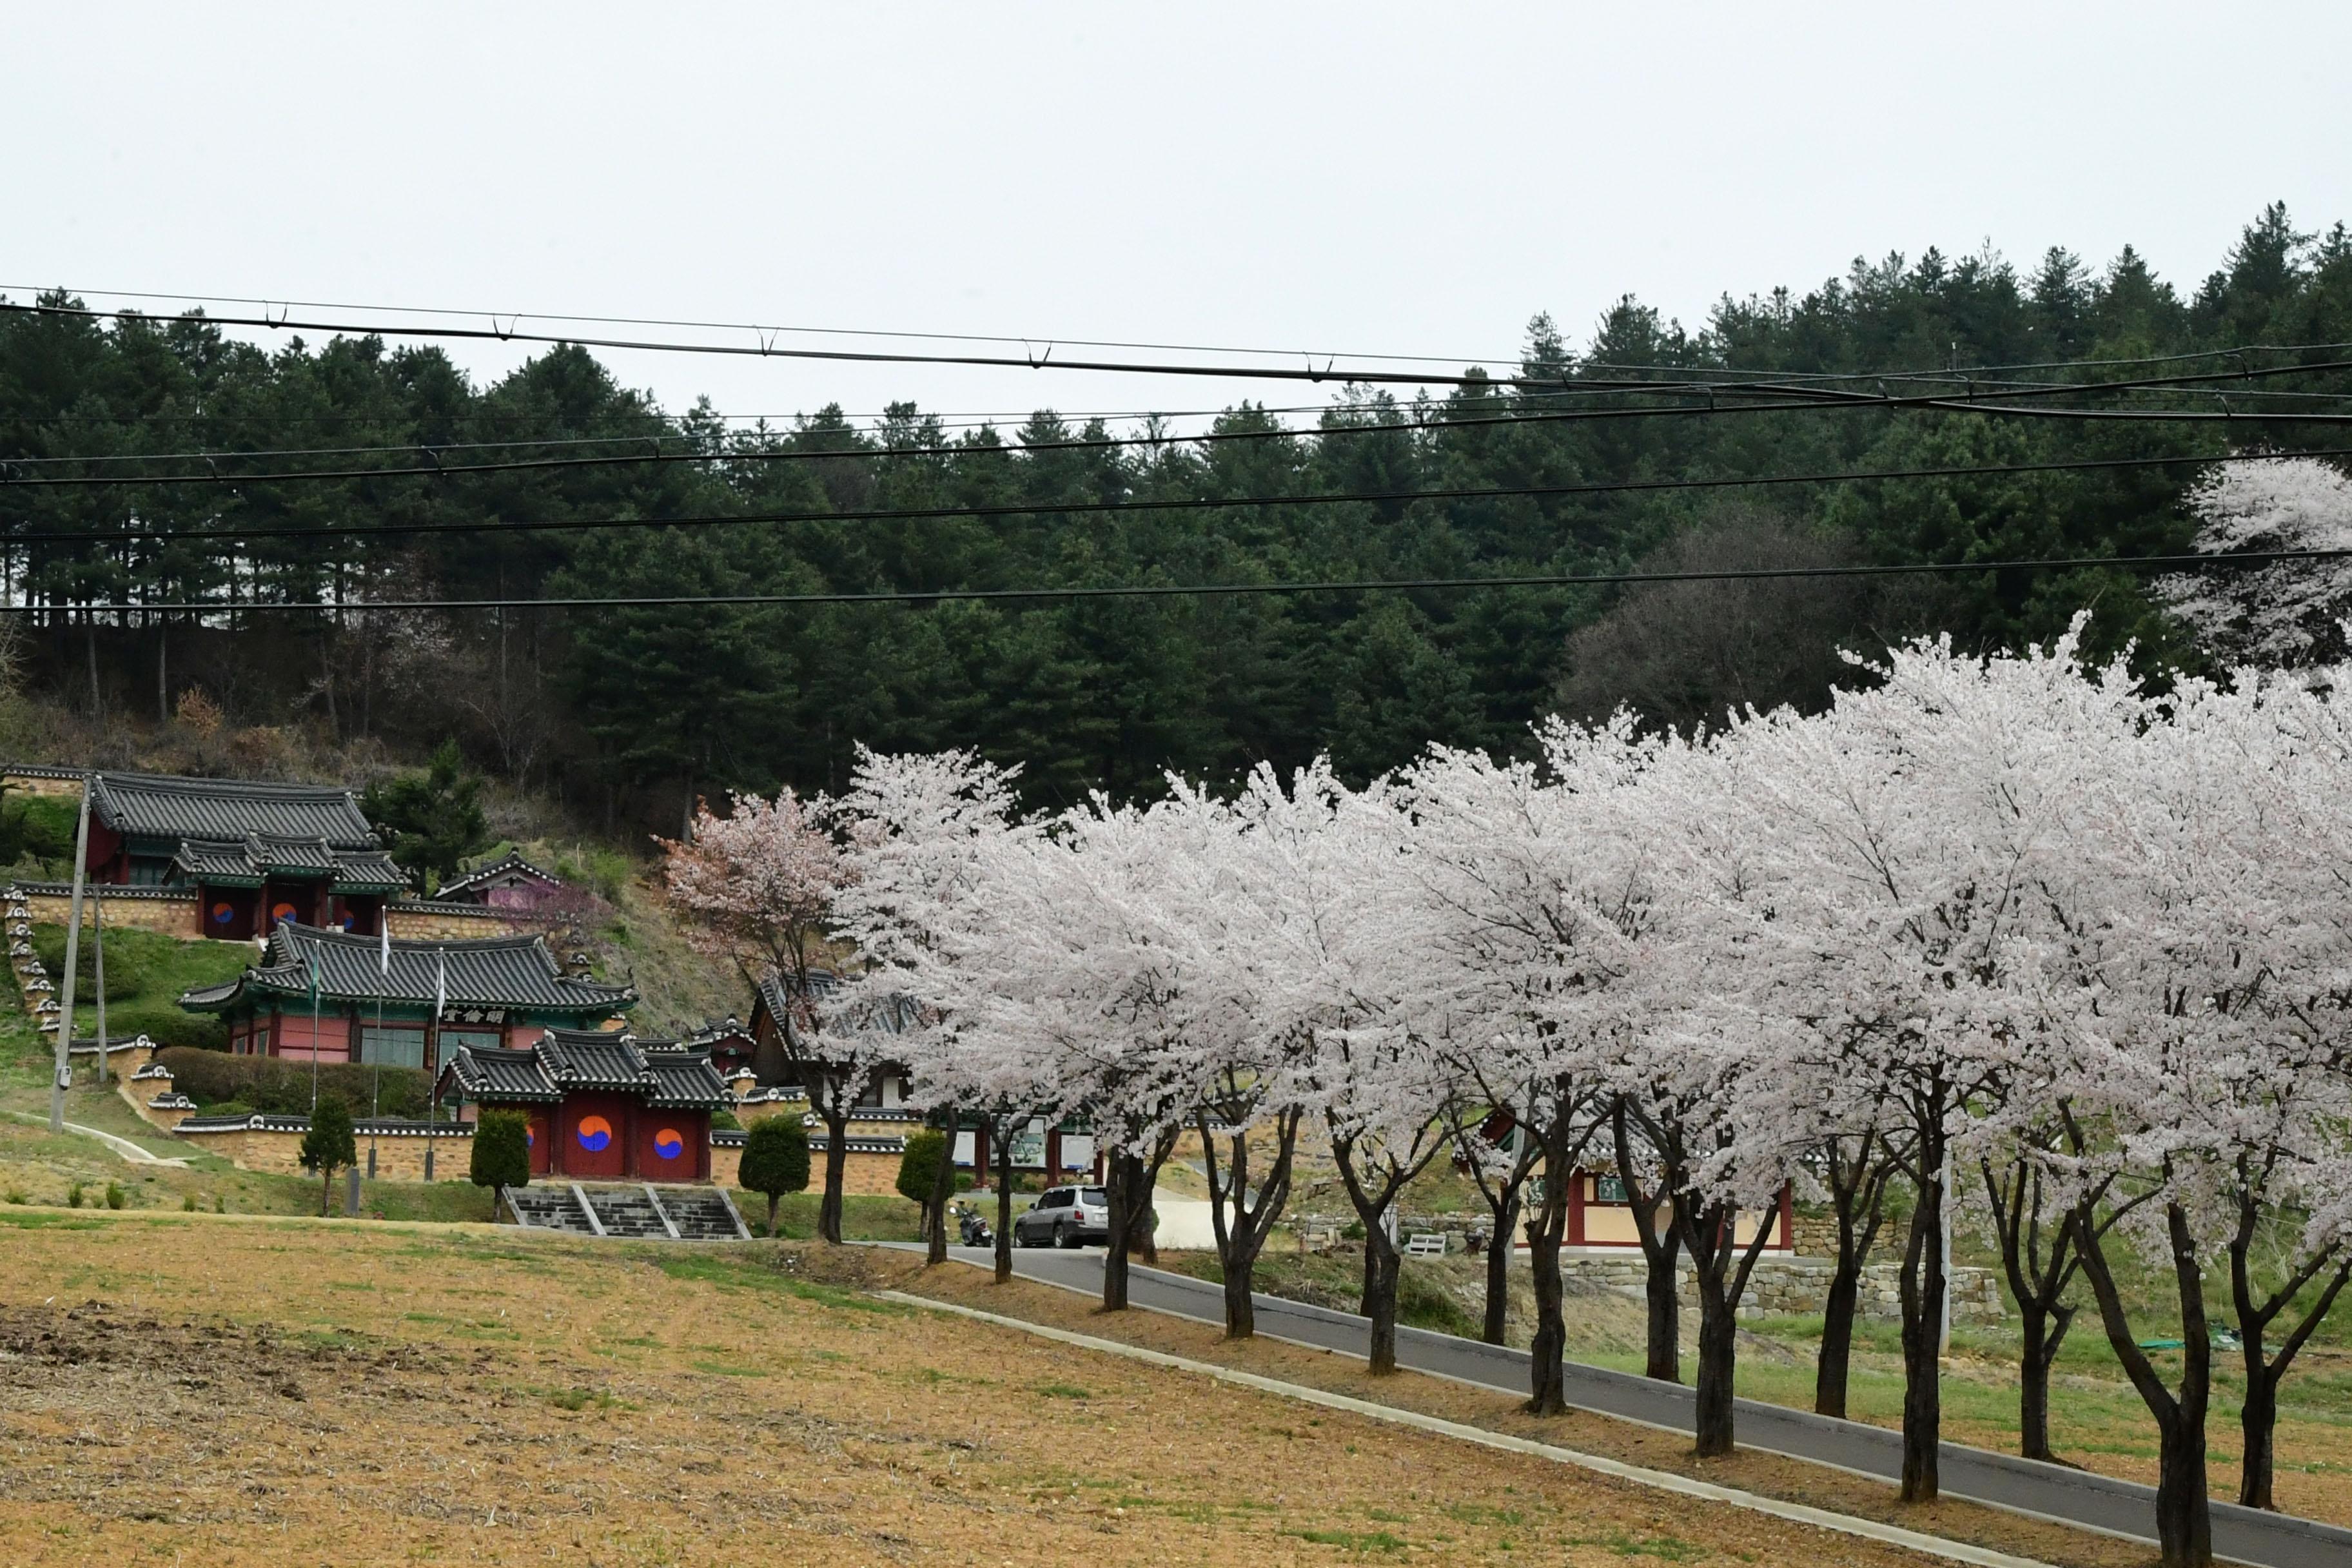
[731, 1045]
[884, 1113]
[256, 854]
[415, 1010]
[510, 882]
[601, 1105]
[777, 1038]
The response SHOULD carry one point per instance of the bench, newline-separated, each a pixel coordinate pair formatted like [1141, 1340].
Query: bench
[1425, 1244]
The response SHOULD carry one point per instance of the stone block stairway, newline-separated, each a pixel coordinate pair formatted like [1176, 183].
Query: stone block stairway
[636, 1212]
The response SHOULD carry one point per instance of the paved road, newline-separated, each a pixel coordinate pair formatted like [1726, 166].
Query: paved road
[2121, 1508]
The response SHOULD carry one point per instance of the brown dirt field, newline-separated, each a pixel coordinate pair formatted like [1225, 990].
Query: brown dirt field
[185, 1388]
[1762, 1473]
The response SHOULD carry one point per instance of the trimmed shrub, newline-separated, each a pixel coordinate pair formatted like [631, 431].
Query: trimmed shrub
[502, 1154]
[283, 1087]
[775, 1161]
[163, 1022]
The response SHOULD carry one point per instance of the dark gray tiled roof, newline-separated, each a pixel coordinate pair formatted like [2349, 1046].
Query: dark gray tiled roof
[483, 971]
[246, 861]
[155, 807]
[893, 1014]
[500, 1075]
[685, 1078]
[466, 881]
[365, 1126]
[567, 1059]
[581, 1058]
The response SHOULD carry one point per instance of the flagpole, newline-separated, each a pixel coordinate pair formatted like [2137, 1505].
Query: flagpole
[376, 1061]
[314, 1032]
[98, 977]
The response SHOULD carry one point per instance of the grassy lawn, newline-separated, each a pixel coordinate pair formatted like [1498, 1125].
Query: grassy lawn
[145, 973]
[406, 1395]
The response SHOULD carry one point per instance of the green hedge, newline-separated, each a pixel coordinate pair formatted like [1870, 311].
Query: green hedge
[283, 1087]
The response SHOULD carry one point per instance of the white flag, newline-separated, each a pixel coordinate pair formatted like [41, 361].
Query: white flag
[440, 983]
[383, 952]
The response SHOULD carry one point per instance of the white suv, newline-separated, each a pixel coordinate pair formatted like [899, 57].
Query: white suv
[1066, 1216]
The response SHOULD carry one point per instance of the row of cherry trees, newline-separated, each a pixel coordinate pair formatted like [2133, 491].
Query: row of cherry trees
[2018, 938]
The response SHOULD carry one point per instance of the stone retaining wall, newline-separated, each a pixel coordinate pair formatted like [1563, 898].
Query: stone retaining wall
[446, 923]
[400, 1157]
[172, 912]
[1783, 1286]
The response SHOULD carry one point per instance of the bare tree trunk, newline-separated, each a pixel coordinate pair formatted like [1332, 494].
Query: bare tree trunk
[1241, 1239]
[1720, 1267]
[836, 1165]
[97, 708]
[1718, 1348]
[1546, 1379]
[1381, 1263]
[2184, 1520]
[1661, 1249]
[1132, 1179]
[1858, 1199]
[1147, 1246]
[1505, 1206]
[1004, 1126]
[1126, 1175]
[942, 1193]
[162, 673]
[1838, 1311]
[1922, 1291]
[327, 679]
[2037, 1347]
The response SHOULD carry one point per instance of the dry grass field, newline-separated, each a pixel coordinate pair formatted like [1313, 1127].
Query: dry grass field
[188, 1389]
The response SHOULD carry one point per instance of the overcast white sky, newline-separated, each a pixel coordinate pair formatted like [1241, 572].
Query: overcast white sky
[1396, 178]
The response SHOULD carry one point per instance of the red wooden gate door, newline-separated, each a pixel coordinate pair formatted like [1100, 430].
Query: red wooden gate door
[669, 1144]
[593, 1137]
[542, 1142]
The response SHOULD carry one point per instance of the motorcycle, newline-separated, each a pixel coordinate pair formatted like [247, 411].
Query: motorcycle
[972, 1228]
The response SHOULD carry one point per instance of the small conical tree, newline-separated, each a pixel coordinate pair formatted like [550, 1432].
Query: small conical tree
[501, 1156]
[330, 1146]
[775, 1161]
[918, 1174]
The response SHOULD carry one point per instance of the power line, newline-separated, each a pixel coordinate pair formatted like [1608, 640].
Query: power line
[1148, 505]
[1848, 401]
[767, 349]
[1210, 590]
[689, 324]
[675, 429]
[513, 318]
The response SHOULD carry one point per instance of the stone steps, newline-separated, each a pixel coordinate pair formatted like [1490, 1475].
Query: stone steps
[638, 1213]
[549, 1208]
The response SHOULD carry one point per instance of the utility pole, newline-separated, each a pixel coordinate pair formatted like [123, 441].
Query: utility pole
[73, 956]
[98, 974]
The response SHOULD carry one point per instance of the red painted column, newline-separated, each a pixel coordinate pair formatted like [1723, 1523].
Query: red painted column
[1788, 1237]
[979, 1154]
[1052, 1155]
[1575, 1210]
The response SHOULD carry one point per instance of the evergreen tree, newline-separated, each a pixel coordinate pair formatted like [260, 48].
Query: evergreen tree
[434, 818]
[919, 1174]
[775, 1161]
[501, 1152]
[328, 1146]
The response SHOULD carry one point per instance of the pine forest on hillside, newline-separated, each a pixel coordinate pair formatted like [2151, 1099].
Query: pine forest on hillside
[628, 714]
